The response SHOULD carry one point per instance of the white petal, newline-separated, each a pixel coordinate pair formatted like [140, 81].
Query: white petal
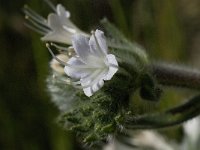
[98, 85]
[113, 66]
[90, 79]
[81, 47]
[76, 72]
[64, 20]
[54, 22]
[98, 46]
[94, 83]
[57, 22]
[192, 129]
[112, 60]
[70, 30]
[61, 11]
[88, 91]
[94, 48]
[62, 29]
[58, 36]
[102, 40]
[59, 33]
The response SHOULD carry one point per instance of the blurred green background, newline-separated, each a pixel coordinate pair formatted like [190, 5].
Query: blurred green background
[168, 29]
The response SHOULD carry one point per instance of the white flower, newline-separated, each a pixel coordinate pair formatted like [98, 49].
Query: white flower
[92, 64]
[192, 130]
[56, 28]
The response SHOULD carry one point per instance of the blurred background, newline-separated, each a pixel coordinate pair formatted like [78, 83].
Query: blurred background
[168, 29]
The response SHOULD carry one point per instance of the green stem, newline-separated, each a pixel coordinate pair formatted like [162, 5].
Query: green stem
[179, 76]
[168, 118]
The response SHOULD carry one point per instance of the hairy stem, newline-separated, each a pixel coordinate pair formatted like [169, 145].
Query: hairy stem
[168, 118]
[173, 75]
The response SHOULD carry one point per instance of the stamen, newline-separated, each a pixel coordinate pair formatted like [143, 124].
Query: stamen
[51, 52]
[37, 23]
[40, 27]
[51, 5]
[69, 51]
[60, 47]
[35, 16]
[34, 28]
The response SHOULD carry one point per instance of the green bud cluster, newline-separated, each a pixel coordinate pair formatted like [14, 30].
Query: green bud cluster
[94, 119]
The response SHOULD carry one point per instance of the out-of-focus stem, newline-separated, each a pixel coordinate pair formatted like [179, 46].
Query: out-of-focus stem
[119, 16]
[173, 75]
[171, 117]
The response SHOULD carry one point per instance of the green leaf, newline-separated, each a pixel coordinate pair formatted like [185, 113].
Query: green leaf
[123, 47]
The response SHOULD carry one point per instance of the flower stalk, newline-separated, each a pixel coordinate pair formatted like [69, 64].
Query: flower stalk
[171, 117]
[174, 75]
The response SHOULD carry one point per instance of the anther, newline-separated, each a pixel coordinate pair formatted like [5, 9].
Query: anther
[26, 17]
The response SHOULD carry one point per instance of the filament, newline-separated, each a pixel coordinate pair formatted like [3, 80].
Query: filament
[36, 22]
[40, 27]
[35, 16]
[60, 47]
[34, 28]
[51, 52]
[51, 5]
